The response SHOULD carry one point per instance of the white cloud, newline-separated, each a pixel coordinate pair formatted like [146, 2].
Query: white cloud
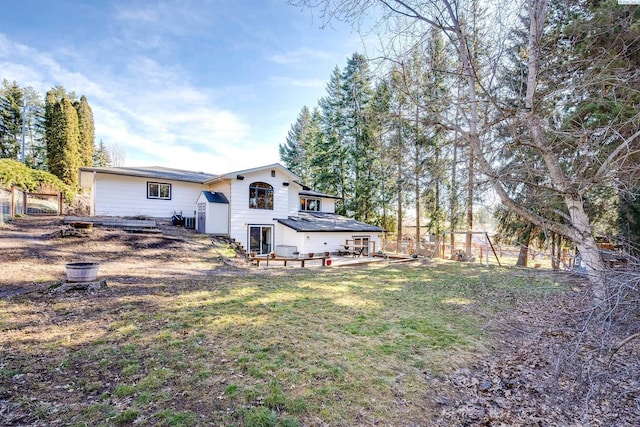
[299, 55]
[291, 81]
[163, 18]
[150, 111]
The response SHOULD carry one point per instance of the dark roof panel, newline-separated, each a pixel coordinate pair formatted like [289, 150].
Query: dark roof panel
[323, 221]
[215, 197]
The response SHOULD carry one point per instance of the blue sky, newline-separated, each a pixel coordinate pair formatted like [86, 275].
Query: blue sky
[209, 85]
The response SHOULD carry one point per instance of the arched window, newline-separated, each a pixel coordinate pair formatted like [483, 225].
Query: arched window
[260, 196]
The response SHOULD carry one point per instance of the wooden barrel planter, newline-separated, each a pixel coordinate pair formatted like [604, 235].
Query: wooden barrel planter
[82, 225]
[82, 271]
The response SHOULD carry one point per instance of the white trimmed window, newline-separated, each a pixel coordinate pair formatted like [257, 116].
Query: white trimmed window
[309, 204]
[158, 190]
[260, 196]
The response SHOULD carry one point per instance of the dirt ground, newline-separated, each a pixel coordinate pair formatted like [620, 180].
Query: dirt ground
[33, 255]
[547, 370]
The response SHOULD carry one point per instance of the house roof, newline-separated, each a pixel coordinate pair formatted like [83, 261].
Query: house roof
[233, 175]
[154, 172]
[215, 197]
[169, 174]
[324, 221]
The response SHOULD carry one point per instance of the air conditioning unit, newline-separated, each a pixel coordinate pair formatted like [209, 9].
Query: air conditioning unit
[286, 250]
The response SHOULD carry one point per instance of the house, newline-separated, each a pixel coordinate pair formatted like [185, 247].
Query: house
[266, 209]
[409, 227]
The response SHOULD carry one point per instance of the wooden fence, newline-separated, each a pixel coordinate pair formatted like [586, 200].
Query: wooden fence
[15, 201]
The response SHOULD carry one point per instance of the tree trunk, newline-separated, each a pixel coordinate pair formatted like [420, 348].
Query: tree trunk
[453, 213]
[524, 247]
[399, 234]
[523, 254]
[587, 247]
[469, 205]
[417, 195]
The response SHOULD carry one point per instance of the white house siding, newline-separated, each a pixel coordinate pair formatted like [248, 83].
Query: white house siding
[319, 242]
[287, 236]
[117, 195]
[86, 183]
[328, 205]
[242, 216]
[294, 198]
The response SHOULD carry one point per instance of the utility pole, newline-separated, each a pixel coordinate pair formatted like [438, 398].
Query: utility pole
[24, 124]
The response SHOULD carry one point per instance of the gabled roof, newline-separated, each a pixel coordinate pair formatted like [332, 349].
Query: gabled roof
[215, 197]
[324, 221]
[154, 172]
[234, 175]
[169, 174]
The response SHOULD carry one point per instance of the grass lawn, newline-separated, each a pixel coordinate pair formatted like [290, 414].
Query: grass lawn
[337, 347]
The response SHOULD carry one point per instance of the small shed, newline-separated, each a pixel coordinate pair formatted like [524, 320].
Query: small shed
[212, 210]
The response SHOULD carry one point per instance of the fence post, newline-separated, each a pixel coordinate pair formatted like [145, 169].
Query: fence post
[60, 203]
[24, 203]
[13, 201]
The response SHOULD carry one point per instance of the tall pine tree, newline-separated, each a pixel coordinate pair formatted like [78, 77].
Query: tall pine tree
[62, 134]
[53, 133]
[294, 151]
[71, 152]
[362, 152]
[86, 131]
[331, 161]
[11, 105]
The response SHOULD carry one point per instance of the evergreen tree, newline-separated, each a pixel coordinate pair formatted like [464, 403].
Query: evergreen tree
[71, 152]
[86, 132]
[101, 155]
[330, 164]
[314, 150]
[362, 152]
[11, 105]
[53, 134]
[438, 101]
[416, 86]
[35, 146]
[63, 137]
[397, 143]
[294, 151]
[383, 177]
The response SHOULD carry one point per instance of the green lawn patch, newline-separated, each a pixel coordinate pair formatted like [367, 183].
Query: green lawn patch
[291, 347]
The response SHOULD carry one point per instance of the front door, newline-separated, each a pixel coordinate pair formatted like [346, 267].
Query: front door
[260, 239]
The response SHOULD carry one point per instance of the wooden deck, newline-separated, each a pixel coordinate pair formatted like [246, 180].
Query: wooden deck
[110, 222]
[267, 260]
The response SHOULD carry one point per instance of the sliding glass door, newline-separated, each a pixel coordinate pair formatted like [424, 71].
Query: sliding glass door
[260, 239]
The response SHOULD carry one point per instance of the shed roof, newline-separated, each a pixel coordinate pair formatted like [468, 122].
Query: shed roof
[324, 221]
[215, 197]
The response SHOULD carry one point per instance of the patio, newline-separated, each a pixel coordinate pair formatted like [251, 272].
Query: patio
[336, 261]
